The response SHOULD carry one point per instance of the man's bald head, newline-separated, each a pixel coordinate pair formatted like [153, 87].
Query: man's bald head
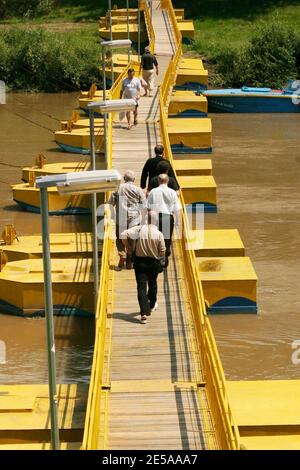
[163, 179]
[129, 176]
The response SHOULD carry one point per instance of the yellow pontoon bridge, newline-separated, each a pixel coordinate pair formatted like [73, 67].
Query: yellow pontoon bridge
[190, 135]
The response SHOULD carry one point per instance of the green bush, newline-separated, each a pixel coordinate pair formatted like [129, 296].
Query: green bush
[269, 58]
[37, 60]
[25, 8]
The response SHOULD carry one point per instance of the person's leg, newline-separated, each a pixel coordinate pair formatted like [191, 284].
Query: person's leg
[151, 82]
[166, 226]
[152, 285]
[141, 280]
[120, 248]
[128, 115]
[135, 114]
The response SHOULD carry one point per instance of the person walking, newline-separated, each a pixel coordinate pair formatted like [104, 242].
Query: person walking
[150, 167]
[148, 62]
[164, 200]
[128, 203]
[163, 168]
[148, 257]
[131, 89]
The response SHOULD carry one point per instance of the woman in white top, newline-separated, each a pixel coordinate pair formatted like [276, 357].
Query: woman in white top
[131, 89]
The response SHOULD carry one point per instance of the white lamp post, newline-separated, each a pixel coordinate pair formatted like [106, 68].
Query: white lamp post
[85, 182]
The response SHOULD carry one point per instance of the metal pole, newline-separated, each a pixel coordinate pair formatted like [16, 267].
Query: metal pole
[128, 27]
[104, 99]
[111, 37]
[139, 30]
[49, 319]
[94, 211]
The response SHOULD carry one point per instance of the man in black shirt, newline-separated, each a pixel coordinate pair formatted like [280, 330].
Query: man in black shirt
[148, 62]
[163, 168]
[150, 167]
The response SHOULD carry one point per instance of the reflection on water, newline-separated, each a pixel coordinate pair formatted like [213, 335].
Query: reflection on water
[257, 167]
[20, 143]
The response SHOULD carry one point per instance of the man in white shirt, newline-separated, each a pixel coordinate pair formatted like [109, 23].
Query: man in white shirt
[131, 89]
[164, 200]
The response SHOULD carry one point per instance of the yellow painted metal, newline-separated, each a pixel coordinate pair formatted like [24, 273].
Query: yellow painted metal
[215, 243]
[62, 245]
[184, 102]
[267, 413]
[119, 31]
[193, 167]
[192, 75]
[81, 123]
[179, 13]
[150, 29]
[24, 415]
[79, 139]
[29, 197]
[227, 277]
[22, 284]
[57, 168]
[187, 29]
[188, 63]
[198, 189]
[194, 133]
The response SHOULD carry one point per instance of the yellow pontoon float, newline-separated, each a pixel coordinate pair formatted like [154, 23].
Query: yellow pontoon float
[78, 140]
[62, 245]
[188, 63]
[190, 136]
[197, 191]
[216, 243]
[42, 168]
[187, 29]
[193, 167]
[192, 79]
[229, 284]
[187, 105]
[28, 198]
[119, 31]
[22, 287]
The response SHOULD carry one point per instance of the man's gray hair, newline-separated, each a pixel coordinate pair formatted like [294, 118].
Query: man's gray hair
[129, 176]
[163, 179]
[153, 218]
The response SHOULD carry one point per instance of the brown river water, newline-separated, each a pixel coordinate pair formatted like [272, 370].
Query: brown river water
[256, 163]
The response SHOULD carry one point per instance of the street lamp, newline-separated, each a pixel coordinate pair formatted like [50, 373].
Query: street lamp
[84, 182]
[128, 27]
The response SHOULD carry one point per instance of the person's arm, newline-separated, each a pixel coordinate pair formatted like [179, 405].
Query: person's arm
[128, 235]
[122, 90]
[138, 88]
[172, 175]
[144, 175]
[161, 247]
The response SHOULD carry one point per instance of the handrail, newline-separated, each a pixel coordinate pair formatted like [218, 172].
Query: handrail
[149, 26]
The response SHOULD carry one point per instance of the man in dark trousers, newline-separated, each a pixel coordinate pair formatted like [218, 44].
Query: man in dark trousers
[150, 167]
[148, 251]
[148, 62]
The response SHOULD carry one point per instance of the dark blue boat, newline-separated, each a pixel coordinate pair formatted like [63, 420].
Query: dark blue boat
[255, 100]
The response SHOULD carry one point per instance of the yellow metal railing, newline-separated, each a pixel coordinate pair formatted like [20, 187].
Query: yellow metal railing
[149, 26]
[226, 431]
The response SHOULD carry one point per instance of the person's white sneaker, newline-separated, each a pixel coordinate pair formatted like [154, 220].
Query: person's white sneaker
[155, 307]
[143, 319]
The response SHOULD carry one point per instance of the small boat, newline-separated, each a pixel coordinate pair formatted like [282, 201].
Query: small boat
[22, 287]
[255, 100]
